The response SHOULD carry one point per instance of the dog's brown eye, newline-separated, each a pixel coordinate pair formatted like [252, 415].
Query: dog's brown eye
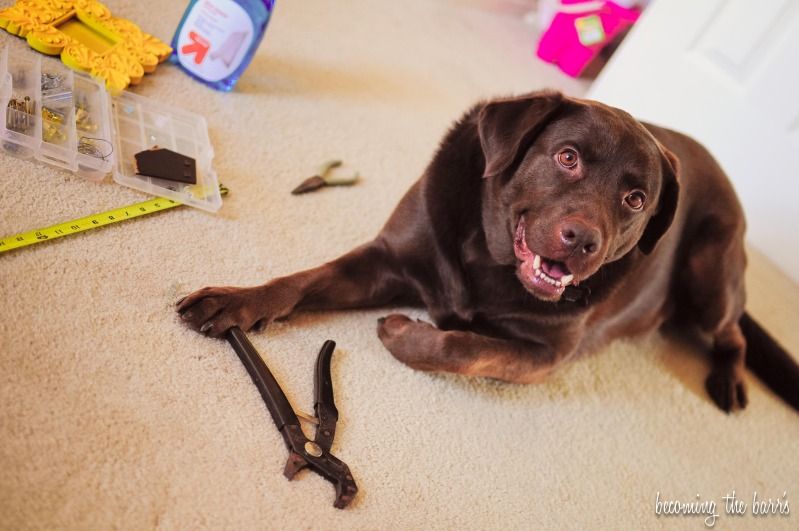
[635, 200]
[567, 158]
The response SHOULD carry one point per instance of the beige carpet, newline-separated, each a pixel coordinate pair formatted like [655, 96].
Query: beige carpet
[114, 415]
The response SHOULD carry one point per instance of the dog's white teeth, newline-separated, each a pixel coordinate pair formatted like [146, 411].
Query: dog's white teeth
[539, 273]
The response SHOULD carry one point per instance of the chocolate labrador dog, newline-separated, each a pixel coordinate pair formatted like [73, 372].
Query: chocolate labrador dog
[544, 227]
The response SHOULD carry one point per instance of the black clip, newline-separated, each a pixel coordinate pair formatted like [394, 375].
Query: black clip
[303, 452]
[577, 294]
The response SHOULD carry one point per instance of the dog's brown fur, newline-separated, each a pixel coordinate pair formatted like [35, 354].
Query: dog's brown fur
[497, 189]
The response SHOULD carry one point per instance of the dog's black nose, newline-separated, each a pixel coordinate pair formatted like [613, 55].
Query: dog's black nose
[577, 236]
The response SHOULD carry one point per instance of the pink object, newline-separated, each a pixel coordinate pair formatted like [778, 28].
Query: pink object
[560, 43]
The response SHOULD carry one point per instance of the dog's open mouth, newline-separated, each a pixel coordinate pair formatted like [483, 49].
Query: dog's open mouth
[544, 277]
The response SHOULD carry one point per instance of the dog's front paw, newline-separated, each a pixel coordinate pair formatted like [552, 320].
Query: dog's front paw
[212, 311]
[392, 326]
[411, 342]
[727, 389]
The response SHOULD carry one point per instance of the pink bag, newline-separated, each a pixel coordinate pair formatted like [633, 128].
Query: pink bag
[580, 30]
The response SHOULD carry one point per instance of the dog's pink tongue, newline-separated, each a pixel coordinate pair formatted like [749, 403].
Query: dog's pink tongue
[555, 270]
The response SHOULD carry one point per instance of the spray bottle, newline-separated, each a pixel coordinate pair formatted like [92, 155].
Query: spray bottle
[216, 39]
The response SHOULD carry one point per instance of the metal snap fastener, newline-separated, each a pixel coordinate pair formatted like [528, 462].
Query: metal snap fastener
[311, 448]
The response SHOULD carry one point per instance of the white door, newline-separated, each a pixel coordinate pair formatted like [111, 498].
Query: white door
[727, 73]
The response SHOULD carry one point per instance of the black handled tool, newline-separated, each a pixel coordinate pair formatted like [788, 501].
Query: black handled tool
[302, 451]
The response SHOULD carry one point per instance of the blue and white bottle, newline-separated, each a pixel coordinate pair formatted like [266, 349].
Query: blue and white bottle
[216, 39]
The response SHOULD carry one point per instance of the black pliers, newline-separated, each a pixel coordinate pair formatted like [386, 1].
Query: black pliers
[302, 451]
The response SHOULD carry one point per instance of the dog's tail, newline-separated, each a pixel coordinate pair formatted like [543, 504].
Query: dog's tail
[770, 362]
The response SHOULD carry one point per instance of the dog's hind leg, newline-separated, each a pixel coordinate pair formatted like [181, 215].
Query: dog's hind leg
[713, 285]
[425, 347]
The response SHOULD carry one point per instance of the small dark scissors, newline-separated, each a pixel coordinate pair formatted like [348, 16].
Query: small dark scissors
[303, 452]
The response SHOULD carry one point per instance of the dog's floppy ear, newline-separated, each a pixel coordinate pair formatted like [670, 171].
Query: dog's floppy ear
[506, 126]
[667, 206]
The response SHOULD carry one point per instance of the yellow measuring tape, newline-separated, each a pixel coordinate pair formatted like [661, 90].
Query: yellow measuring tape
[93, 221]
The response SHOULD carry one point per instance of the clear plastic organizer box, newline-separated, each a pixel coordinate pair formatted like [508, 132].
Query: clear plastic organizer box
[68, 120]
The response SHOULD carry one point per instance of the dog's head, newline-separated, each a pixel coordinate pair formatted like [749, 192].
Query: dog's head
[571, 185]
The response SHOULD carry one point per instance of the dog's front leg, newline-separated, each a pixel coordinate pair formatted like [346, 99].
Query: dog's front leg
[425, 347]
[361, 278]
